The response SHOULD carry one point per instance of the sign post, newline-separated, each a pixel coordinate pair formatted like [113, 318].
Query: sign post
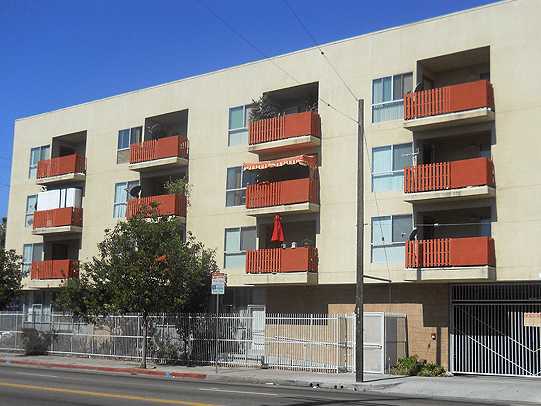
[217, 288]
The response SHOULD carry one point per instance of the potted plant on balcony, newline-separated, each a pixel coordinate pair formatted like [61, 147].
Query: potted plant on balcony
[264, 108]
[179, 187]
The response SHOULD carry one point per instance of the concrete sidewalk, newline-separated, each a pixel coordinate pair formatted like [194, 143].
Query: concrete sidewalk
[492, 389]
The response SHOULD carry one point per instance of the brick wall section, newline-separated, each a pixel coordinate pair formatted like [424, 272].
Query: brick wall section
[426, 307]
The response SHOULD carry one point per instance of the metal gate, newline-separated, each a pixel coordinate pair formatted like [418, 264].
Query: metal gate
[487, 331]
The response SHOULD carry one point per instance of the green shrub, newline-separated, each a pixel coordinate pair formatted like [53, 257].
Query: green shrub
[413, 366]
[430, 369]
[407, 366]
[36, 342]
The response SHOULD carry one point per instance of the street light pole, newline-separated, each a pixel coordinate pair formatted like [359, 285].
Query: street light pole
[359, 299]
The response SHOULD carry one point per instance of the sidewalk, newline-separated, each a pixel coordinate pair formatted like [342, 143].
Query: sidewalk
[497, 389]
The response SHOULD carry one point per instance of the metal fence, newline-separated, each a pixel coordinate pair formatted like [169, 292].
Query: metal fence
[310, 342]
[489, 332]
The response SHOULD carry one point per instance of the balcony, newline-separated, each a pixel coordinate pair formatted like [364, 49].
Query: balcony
[464, 179]
[282, 266]
[168, 152]
[283, 197]
[166, 205]
[58, 221]
[69, 168]
[291, 132]
[452, 258]
[54, 269]
[465, 103]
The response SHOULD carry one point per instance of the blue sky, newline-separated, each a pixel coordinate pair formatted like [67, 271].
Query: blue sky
[56, 53]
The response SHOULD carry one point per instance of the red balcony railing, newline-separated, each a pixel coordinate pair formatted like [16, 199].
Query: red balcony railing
[166, 205]
[282, 127]
[55, 269]
[61, 165]
[66, 216]
[449, 175]
[168, 147]
[267, 194]
[282, 260]
[448, 99]
[450, 252]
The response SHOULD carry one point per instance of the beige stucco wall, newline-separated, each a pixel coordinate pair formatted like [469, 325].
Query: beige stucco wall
[515, 57]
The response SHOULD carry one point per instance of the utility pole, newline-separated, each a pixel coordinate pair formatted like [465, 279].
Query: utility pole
[359, 299]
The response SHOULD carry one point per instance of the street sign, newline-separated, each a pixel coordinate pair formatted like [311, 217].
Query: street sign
[217, 286]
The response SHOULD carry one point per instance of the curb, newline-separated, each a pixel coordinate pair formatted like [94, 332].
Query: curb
[130, 371]
[382, 388]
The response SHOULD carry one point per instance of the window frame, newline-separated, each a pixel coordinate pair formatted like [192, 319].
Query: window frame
[392, 101]
[130, 142]
[239, 189]
[385, 244]
[240, 251]
[26, 266]
[125, 203]
[130, 137]
[33, 168]
[29, 215]
[392, 172]
[245, 110]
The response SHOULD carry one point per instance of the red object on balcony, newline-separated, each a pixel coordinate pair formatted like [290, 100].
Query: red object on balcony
[282, 260]
[449, 175]
[166, 205]
[277, 230]
[450, 252]
[282, 127]
[55, 269]
[268, 194]
[449, 99]
[66, 216]
[61, 165]
[168, 147]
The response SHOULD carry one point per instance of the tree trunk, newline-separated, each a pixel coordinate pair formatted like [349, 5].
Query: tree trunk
[145, 334]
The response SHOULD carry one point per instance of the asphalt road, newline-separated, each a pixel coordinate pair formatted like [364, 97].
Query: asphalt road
[23, 386]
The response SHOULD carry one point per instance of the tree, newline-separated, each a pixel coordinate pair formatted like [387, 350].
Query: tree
[3, 233]
[143, 266]
[10, 277]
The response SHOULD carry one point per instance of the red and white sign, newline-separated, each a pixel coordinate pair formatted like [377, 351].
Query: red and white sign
[532, 319]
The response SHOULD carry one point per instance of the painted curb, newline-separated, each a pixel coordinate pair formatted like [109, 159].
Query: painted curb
[131, 371]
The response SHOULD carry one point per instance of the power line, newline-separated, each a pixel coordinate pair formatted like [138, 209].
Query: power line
[355, 98]
[323, 54]
[271, 60]
[452, 224]
[267, 57]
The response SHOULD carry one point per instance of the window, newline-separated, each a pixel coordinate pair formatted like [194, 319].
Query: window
[235, 187]
[31, 202]
[388, 96]
[237, 242]
[37, 154]
[238, 125]
[31, 252]
[388, 165]
[389, 234]
[126, 138]
[121, 198]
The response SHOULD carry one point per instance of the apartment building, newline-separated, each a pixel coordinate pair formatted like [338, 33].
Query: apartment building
[452, 111]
